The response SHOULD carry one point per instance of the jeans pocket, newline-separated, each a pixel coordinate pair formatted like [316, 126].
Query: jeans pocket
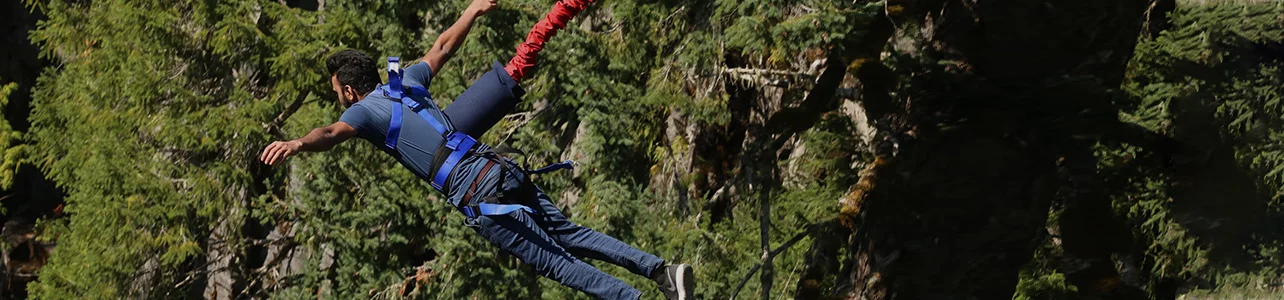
[514, 187]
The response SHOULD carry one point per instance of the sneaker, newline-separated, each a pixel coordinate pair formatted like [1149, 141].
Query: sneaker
[676, 281]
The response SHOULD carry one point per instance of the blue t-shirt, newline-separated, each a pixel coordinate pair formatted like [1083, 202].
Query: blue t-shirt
[418, 140]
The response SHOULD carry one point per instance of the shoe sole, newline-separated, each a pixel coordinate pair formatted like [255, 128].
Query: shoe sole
[684, 281]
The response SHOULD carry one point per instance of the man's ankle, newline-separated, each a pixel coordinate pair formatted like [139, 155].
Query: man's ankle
[658, 273]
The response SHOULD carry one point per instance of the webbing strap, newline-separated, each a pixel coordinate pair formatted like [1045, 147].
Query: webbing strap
[465, 206]
[459, 144]
[487, 209]
[394, 128]
[436, 125]
[394, 77]
[395, 125]
[419, 91]
[415, 106]
[472, 189]
[568, 164]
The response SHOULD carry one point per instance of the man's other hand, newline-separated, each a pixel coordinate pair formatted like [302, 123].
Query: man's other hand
[278, 151]
[482, 6]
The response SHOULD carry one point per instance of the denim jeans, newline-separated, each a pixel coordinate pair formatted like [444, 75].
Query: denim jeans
[552, 244]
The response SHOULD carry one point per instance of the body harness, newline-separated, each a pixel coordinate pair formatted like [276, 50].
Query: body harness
[456, 146]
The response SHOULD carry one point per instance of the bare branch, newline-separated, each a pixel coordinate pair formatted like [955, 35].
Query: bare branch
[289, 111]
[762, 72]
[772, 255]
[525, 117]
[792, 120]
[764, 221]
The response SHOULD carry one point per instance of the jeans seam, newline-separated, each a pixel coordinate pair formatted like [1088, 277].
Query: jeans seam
[619, 284]
[613, 254]
[637, 294]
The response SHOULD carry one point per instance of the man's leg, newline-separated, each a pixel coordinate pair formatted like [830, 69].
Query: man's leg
[518, 233]
[587, 243]
[675, 281]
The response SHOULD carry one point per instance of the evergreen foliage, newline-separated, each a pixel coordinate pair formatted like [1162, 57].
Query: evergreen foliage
[153, 113]
[1214, 81]
[1212, 221]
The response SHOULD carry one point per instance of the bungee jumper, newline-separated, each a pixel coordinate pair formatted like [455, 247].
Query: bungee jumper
[494, 193]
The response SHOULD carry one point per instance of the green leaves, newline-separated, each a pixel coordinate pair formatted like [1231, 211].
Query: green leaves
[1212, 82]
[13, 149]
[151, 124]
[156, 111]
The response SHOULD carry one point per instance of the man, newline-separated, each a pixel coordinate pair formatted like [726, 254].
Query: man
[497, 197]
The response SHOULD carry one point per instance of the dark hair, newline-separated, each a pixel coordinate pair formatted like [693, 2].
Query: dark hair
[355, 69]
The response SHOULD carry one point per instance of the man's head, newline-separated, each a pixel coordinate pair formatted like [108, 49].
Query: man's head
[352, 75]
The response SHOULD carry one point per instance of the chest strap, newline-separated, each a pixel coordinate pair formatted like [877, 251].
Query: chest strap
[459, 144]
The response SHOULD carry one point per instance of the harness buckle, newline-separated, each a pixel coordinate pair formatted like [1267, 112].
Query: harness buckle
[455, 139]
[394, 64]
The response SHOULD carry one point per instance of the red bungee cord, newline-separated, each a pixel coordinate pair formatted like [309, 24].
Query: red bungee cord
[555, 20]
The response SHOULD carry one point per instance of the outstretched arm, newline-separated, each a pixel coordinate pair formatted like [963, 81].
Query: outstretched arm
[320, 139]
[450, 40]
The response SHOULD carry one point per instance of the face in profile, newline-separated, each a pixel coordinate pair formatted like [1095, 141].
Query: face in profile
[347, 95]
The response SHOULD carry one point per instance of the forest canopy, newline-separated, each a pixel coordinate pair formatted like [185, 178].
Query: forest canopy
[815, 149]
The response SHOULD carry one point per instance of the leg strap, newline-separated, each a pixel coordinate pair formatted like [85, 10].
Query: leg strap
[488, 206]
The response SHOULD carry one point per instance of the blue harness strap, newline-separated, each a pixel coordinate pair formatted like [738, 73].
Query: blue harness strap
[488, 209]
[394, 77]
[393, 90]
[419, 91]
[397, 93]
[459, 144]
[415, 106]
[394, 128]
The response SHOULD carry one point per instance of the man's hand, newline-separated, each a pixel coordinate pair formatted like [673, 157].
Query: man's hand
[278, 151]
[320, 139]
[482, 6]
[451, 39]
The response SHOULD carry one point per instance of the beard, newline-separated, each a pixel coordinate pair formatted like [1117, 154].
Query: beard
[345, 101]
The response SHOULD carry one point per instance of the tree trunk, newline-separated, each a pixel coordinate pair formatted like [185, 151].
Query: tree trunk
[958, 199]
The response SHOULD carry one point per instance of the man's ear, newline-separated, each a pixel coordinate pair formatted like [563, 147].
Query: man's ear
[352, 93]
